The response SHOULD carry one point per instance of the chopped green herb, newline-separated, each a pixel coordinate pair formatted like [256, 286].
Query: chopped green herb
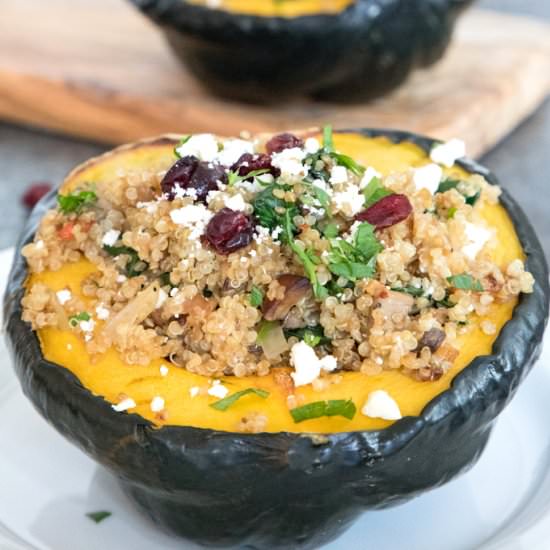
[98, 517]
[328, 143]
[270, 211]
[412, 290]
[449, 184]
[318, 409]
[375, 191]
[349, 163]
[444, 303]
[165, 280]
[226, 402]
[76, 201]
[234, 178]
[331, 231]
[451, 213]
[465, 281]
[323, 197]
[135, 265]
[313, 336]
[256, 297]
[305, 257]
[356, 260]
[341, 159]
[82, 316]
[183, 141]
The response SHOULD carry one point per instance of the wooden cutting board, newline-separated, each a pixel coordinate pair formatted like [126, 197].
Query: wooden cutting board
[98, 69]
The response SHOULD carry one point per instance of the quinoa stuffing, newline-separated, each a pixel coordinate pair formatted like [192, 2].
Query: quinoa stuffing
[249, 255]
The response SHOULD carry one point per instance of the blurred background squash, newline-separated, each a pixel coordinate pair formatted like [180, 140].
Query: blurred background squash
[269, 50]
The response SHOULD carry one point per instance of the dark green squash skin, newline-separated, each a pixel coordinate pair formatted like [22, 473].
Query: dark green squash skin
[270, 491]
[361, 53]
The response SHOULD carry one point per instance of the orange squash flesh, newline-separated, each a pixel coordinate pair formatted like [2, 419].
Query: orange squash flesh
[278, 8]
[109, 376]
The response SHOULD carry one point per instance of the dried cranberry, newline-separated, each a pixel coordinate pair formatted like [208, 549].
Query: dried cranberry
[35, 192]
[229, 230]
[283, 141]
[250, 163]
[387, 211]
[192, 173]
[431, 339]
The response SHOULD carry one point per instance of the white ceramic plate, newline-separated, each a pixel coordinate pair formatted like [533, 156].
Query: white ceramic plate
[47, 486]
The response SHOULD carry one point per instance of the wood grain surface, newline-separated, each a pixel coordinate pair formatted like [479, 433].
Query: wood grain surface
[98, 69]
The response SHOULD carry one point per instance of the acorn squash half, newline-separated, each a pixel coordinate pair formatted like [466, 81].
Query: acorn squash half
[284, 489]
[343, 50]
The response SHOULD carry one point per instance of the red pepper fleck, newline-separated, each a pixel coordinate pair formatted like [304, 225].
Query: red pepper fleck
[387, 211]
[66, 231]
[35, 192]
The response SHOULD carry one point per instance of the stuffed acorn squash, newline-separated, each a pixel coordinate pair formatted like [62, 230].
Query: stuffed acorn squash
[344, 50]
[264, 337]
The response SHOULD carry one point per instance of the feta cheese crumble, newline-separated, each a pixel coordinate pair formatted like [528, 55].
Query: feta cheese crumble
[236, 202]
[193, 216]
[289, 162]
[381, 405]
[202, 146]
[87, 326]
[350, 202]
[161, 298]
[478, 237]
[233, 150]
[63, 296]
[218, 390]
[368, 176]
[157, 404]
[428, 177]
[307, 366]
[102, 312]
[312, 145]
[124, 405]
[110, 237]
[338, 174]
[448, 153]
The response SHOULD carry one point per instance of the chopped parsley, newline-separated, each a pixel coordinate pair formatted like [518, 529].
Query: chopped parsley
[308, 259]
[98, 517]
[448, 184]
[270, 211]
[226, 402]
[417, 292]
[465, 281]
[312, 336]
[331, 231]
[318, 409]
[135, 265]
[233, 178]
[165, 280]
[76, 201]
[355, 260]
[82, 316]
[339, 158]
[256, 297]
[375, 191]
[316, 196]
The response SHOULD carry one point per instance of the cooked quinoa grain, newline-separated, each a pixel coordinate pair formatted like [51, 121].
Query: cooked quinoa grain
[224, 268]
